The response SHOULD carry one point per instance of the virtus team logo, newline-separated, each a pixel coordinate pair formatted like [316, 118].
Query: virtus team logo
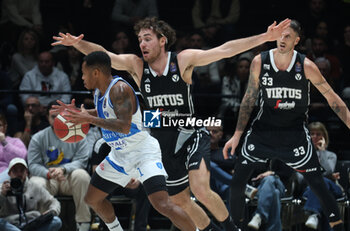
[158, 119]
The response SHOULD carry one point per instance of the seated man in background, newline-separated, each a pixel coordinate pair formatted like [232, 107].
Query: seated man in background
[34, 119]
[134, 189]
[22, 200]
[272, 185]
[60, 167]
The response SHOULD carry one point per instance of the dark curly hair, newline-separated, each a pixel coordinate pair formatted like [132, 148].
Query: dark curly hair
[161, 28]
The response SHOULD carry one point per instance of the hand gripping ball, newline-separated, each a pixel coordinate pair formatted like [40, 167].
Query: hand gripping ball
[65, 132]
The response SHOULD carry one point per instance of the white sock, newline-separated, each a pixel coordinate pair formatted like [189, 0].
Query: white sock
[115, 225]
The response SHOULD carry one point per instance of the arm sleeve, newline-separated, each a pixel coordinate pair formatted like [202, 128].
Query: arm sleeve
[15, 148]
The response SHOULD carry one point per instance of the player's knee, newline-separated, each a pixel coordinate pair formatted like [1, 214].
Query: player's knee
[90, 200]
[164, 207]
[202, 193]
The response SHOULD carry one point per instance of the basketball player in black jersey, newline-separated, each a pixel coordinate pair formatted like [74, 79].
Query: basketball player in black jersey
[164, 79]
[280, 79]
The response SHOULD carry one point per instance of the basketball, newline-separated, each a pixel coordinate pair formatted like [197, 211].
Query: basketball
[65, 132]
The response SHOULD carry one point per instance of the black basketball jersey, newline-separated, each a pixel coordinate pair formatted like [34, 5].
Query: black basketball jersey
[284, 95]
[167, 92]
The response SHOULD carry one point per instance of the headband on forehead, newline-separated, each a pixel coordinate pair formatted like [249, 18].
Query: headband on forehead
[166, 39]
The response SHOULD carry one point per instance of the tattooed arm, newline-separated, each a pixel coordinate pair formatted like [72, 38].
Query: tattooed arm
[335, 102]
[124, 103]
[247, 106]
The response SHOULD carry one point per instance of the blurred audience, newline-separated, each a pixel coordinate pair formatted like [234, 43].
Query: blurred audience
[319, 49]
[26, 56]
[220, 169]
[206, 81]
[7, 103]
[328, 160]
[17, 15]
[60, 168]
[272, 184]
[319, 109]
[10, 148]
[220, 16]
[46, 77]
[127, 12]
[233, 88]
[34, 119]
[22, 201]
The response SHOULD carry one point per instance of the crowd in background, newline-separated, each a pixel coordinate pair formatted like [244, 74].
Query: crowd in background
[29, 63]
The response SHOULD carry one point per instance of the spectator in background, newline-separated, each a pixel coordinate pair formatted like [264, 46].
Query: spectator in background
[206, 80]
[220, 169]
[60, 168]
[315, 11]
[322, 30]
[69, 61]
[272, 184]
[26, 56]
[319, 109]
[34, 119]
[123, 43]
[233, 86]
[319, 49]
[344, 56]
[328, 160]
[37, 201]
[7, 105]
[17, 15]
[9, 148]
[133, 190]
[215, 16]
[46, 78]
[127, 12]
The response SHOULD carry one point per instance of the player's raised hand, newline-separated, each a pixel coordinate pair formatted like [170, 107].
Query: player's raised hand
[66, 39]
[274, 32]
[78, 116]
[62, 106]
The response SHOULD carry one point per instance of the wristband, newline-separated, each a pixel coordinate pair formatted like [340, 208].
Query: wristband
[27, 130]
[48, 176]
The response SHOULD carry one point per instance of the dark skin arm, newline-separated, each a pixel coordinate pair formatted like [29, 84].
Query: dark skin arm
[124, 102]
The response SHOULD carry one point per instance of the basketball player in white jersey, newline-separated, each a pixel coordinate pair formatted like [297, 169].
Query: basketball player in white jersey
[188, 169]
[134, 153]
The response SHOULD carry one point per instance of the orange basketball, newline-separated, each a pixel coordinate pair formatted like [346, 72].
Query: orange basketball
[65, 132]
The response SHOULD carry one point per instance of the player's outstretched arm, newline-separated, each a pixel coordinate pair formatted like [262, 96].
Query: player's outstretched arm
[247, 106]
[335, 102]
[196, 57]
[126, 62]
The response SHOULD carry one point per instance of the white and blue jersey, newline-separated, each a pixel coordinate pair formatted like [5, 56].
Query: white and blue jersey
[136, 154]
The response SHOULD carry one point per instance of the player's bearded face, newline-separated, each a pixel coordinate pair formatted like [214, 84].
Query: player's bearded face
[149, 45]
[287, 41]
